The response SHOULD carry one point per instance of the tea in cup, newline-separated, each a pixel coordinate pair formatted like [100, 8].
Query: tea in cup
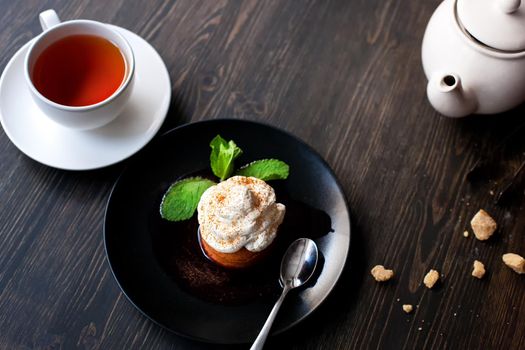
[79, 72]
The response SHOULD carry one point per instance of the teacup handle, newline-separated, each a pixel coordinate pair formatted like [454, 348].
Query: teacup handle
[48, 19]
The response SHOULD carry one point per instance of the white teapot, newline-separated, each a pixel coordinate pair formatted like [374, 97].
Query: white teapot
[474, 56]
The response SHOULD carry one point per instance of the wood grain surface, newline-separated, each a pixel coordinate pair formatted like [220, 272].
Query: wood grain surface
[346, 77]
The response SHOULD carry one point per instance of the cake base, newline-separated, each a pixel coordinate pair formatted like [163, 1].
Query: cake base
[240, 259]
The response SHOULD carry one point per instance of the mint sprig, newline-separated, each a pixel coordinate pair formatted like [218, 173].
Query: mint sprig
[266, 169]
[181, 199]
[222, 156]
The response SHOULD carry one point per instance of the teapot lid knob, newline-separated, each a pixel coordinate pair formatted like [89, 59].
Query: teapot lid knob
[509, 6]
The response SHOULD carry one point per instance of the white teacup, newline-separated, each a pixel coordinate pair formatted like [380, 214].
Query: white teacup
[88, 116]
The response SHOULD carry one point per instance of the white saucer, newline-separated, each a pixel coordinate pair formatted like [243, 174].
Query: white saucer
[52, 144]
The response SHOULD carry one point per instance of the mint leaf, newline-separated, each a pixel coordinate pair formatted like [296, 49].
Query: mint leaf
[222, 156]
[181, 199]
[266, 169]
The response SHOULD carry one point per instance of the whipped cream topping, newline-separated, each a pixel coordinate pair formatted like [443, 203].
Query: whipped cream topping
[239, 212]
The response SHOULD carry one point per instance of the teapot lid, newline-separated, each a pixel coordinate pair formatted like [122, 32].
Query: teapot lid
[499, 24]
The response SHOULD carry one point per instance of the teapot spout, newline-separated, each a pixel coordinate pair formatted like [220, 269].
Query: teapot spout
[447, 96]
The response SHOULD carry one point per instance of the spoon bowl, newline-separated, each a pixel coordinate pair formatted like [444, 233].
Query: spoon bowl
[298, 263]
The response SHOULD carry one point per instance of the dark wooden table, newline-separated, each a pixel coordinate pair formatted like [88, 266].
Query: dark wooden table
[346, 77]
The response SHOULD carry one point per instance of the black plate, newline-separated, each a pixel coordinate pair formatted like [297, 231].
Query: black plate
[131, 225]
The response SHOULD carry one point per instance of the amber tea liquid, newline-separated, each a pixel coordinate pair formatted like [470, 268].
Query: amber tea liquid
[79, 70]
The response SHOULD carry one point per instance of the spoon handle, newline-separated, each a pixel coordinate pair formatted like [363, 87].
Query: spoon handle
[263, 334]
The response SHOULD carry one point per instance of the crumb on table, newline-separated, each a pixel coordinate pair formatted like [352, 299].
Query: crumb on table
[515, 262]
[465, 233]
[381, 274]
[408, 308]
[483, 225]
[431, 278]
[479, 269]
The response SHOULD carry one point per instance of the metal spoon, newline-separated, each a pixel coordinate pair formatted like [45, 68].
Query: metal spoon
[297, 267]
